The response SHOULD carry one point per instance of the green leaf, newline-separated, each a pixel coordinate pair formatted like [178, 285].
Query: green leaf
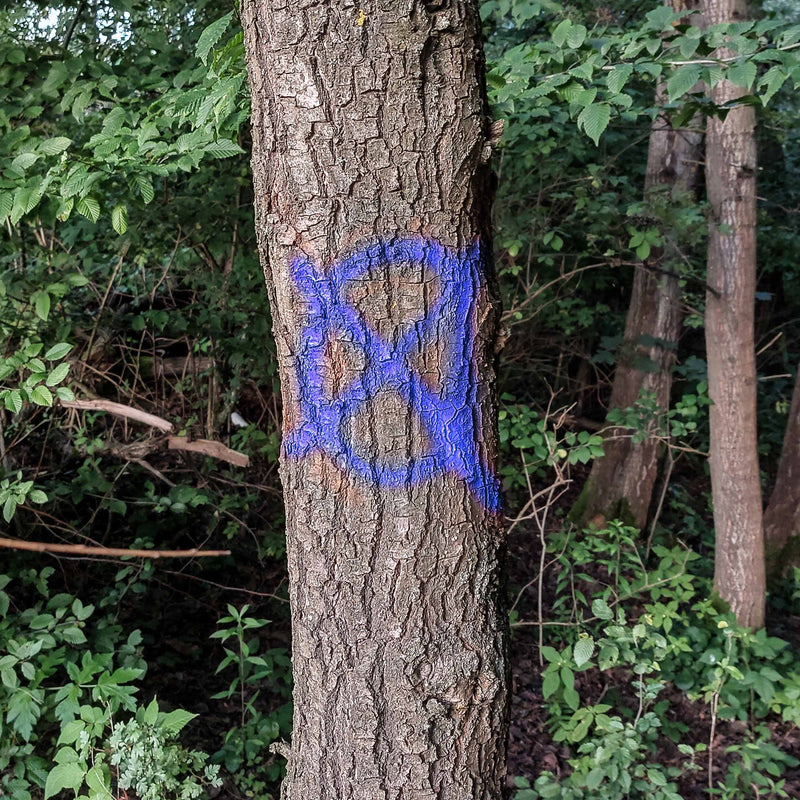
[41, 395]
[618, 77]
[211, 35]
[583, 650]
[682, 80]
[58, 351]
[176, 720]
[772, 79]
[89, 207]
[6, 204]
[58, 374]
[742, 73]
[573, 700]
[7, 674]
[145, 187]
[656, 777]
[151, 712]
[37, 496]
[550, 683]
[223, 149]
[551, 654]
[13, 401]
[71, 731]
[594, 778]
[9, 508]
[561, 32]
[576, 36]
[594, 120]
[64, 776]
[41, 303]
[23, 161]
[119, 219]
[601, 609]
[65, 393]
[54, 146]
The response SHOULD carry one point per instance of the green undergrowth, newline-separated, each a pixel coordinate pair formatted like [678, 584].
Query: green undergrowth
[679, 675]
[76, 719]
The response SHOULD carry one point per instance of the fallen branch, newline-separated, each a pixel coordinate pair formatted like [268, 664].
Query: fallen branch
[120, 410]
[89, 550]
[207, 447]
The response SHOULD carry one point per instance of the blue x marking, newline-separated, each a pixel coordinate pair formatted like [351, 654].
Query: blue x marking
[450, 414]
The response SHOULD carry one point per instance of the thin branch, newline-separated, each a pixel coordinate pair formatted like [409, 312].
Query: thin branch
[74, 24]
[207, 447]
[88, 550]
[120, 410]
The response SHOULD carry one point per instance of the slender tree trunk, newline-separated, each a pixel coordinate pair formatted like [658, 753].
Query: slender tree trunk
[782, 517]
[621, 482]
[731, 180]
[370, 146]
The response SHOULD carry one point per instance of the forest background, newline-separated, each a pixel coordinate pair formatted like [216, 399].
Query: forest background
[129, 276]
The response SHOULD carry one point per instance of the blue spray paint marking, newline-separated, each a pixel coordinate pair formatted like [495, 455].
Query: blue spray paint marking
[449, 415]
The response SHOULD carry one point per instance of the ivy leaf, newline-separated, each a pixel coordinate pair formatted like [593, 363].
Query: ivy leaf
[682, 80]
[211, 35]
[119, 219]
[594, 120]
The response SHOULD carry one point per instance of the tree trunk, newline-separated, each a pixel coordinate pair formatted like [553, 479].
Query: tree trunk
[782, 517]
[731, 181]
[621, 482]
[370, 145]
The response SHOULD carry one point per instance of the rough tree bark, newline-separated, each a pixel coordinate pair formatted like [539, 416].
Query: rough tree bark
[739, 573]
[621, 482]
[782, 517]
[371, 138]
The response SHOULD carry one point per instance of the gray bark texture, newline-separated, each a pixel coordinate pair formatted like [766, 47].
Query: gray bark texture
[739, 572]
[621, 483]
[782, 517]
[370, 124]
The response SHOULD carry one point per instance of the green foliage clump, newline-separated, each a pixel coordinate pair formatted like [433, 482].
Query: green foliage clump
[645, 622]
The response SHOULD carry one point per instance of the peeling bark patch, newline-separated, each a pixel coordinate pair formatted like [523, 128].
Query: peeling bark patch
[448, 416]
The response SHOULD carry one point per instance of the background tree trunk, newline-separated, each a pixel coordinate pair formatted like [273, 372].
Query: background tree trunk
[731, 181]
[782, 517]
[621, 482]
[370, 135]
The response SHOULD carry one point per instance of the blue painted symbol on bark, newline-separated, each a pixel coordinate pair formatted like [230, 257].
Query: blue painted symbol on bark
[449, 414]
